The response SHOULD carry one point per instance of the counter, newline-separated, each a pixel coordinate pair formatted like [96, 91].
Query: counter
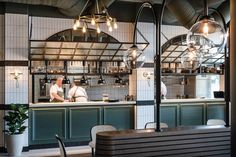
[197, 100]
[185, 112]
[79, 104]
[73, 120]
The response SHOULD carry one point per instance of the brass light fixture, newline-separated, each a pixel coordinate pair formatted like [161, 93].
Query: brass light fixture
[95, 19]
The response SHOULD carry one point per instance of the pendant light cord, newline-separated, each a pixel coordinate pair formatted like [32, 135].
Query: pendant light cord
[205, 7]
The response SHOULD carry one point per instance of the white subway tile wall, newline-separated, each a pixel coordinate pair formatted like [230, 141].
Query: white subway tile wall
[2, 37]
[1, 77]
[145, 114]
[16, 37]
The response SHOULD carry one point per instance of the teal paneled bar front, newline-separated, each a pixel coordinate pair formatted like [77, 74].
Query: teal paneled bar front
[73, 121]
[186, 112]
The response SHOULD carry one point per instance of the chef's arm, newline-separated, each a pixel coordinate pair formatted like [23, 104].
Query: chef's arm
[56, 96]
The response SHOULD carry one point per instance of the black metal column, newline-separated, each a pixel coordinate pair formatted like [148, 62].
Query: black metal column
[159, 16]
[233, 75]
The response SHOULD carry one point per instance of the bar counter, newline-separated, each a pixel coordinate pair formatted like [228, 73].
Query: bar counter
[77, 104]
[73, 120]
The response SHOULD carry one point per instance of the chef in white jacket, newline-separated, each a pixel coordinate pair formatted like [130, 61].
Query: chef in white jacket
[163, 90]
[77, 94]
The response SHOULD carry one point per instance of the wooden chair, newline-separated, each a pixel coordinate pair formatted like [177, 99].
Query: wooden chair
[94, 131]
[152, 125]
[216, 122]
[61, 146]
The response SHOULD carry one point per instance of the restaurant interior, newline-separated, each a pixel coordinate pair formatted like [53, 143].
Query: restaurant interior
[117, 78]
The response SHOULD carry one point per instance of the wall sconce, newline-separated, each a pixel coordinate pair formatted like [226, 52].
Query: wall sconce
[147, 75]
[16, 76]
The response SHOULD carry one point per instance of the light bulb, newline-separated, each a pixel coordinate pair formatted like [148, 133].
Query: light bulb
[98, 29]
[93, 21]
[110, 29]
[108, 22]
[134, 54]
[191, 62]
[115, 25]
[205, 29]
[84, 29]
[77, 23]
[74, 27]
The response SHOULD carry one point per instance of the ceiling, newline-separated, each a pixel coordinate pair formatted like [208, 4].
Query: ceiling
[177, 12]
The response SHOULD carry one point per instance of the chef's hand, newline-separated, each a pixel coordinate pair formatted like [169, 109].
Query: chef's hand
[66, 100]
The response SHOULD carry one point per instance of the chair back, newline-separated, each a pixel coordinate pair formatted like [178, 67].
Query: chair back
[61, 146]
[100, 128]
[216, 122]
[152, 125]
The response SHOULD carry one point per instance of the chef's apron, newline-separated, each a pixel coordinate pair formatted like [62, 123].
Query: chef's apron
[59, 93]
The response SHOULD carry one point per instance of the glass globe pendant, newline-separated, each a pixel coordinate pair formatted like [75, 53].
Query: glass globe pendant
[133, 58]
[207, 37]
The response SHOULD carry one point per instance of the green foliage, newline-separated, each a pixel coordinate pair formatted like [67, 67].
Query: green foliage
[15, 119]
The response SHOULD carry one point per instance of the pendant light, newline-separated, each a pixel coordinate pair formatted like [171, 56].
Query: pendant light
[119, 80]
[83, 80]
[101, 80]
[206, 37]
[46, 79]
[65, 80]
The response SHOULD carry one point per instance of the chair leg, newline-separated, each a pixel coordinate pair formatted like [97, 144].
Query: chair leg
[93, 154]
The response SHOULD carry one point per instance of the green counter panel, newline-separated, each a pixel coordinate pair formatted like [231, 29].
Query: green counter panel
[74, 123]
[216, 111]
[81, 120]
[192, 114]
[169, 115]
[46, 123]
[122, 117]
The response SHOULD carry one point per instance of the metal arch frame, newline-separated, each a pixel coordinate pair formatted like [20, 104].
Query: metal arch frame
[158, 20]
[227, 69]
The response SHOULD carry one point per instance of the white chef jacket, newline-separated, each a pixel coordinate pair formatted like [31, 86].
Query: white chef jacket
[79, 93]
[163, 89]
[54, 89]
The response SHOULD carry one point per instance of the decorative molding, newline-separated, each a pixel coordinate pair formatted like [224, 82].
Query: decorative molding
[145, 102]
[13, 63]
[148, 65]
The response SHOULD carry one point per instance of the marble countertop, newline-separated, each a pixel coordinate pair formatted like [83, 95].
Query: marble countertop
[197, 100]
[77, 104]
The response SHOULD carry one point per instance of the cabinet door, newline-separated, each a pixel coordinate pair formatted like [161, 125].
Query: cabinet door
[121, 117]
[81, 120]
[216, 111]
[45, 123]
[192, 114]
[169, 115]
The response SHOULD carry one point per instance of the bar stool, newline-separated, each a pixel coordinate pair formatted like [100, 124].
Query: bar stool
[61, 146]
[94, 131]
[152, 125]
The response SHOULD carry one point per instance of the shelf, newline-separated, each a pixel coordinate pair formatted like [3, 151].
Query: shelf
[188, 74]
[87, 74]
